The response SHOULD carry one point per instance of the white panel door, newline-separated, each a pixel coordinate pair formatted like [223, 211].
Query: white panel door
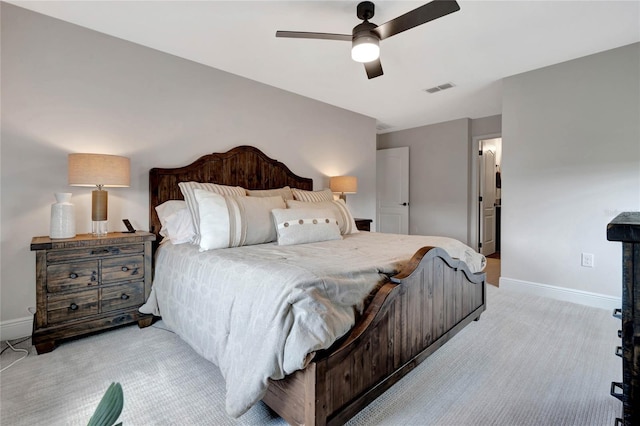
[488, 202]
[392, 215]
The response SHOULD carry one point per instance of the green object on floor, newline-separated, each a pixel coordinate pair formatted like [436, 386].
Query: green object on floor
[109, 408]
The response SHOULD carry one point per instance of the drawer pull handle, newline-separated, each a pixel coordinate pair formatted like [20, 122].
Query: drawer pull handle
[617, 313]
[619, 351]
[619, 395]
[124, 296]
[73, 275]
[102, 251]
[620, 334]
[125, 269]
[73, 307]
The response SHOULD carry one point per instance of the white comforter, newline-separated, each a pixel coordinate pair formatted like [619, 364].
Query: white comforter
[259, 312]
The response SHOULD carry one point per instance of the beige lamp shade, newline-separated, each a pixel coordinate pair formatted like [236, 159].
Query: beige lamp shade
[344, 184]
[99, 170]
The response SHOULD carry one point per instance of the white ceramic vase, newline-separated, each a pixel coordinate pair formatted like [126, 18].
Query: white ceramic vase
[63, 217]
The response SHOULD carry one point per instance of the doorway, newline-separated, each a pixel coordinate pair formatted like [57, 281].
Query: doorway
[489, 190]
[488, 199]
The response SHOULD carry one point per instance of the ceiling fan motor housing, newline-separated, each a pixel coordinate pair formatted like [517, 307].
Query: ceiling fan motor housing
[365, 45]
[365, 29]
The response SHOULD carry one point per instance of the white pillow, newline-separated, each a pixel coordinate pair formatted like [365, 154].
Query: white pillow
[168, 208]
[177, 225]
[187, 189]
[301, 226]
[322, 195]
[228, 221]
[284, 192]
[345, 220]
[180, 228]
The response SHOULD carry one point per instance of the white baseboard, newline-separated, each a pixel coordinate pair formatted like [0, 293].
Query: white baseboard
[561, 293]
[15, 329]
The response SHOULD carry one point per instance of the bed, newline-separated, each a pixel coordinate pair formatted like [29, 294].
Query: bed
[409, 313]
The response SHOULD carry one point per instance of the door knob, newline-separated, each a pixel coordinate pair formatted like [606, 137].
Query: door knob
[404, 204]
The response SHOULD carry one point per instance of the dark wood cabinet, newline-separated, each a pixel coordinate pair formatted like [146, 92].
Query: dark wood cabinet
[363, 224]
[86, 284]
[626, 229]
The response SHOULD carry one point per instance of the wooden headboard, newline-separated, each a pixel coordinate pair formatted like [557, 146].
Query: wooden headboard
[243, 166]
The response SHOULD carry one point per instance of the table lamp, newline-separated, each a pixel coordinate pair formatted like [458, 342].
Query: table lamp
[102, 171]
[344, 185]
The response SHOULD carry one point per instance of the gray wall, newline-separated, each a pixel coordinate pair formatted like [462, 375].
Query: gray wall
[68, 89]
[440, 173]
[571, 163]
[481, 127]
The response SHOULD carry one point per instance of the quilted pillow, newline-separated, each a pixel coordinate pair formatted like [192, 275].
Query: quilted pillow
[345, 220]
[301, 226]
[187, 189]
[322, 195]
[230, 221]
[284, 192]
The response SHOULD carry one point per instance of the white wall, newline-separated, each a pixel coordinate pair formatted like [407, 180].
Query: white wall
[68, 89]
[571, 163]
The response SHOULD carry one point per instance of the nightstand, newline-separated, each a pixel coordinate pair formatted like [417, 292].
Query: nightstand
[87, 284]
[363, 224]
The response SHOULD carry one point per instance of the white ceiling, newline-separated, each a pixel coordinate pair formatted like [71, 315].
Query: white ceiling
[473, 48]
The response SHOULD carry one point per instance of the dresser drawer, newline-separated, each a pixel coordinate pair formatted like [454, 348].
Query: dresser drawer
[123, 268]
[72, 276]
[63, 307]
[93, 252]
[121, 296]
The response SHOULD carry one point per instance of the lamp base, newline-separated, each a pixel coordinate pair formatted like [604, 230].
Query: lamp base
[99, 203]
[99, 228]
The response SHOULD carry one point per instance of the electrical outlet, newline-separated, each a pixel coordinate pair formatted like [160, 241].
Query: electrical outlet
[587, 260]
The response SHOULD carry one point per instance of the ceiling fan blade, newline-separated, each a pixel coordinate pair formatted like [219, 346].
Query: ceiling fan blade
[428, 12]
[373, 68]
[321, 36]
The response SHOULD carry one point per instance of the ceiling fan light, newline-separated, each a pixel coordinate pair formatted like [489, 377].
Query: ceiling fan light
[365, 49]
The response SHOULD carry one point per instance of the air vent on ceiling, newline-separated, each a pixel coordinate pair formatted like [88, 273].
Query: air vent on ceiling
[439, 88]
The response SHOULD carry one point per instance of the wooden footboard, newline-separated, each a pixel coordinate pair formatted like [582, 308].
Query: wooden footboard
[424, 306]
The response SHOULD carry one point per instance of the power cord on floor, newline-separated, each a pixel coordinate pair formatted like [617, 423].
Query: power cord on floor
[26, 353]
[15, 343]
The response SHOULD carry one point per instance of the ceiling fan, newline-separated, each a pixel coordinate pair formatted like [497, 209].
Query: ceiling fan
[365, 37]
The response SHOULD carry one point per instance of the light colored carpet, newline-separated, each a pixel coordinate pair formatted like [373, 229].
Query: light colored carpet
[528, 361]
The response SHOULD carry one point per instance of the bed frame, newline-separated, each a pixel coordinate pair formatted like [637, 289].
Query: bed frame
[409, 317]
